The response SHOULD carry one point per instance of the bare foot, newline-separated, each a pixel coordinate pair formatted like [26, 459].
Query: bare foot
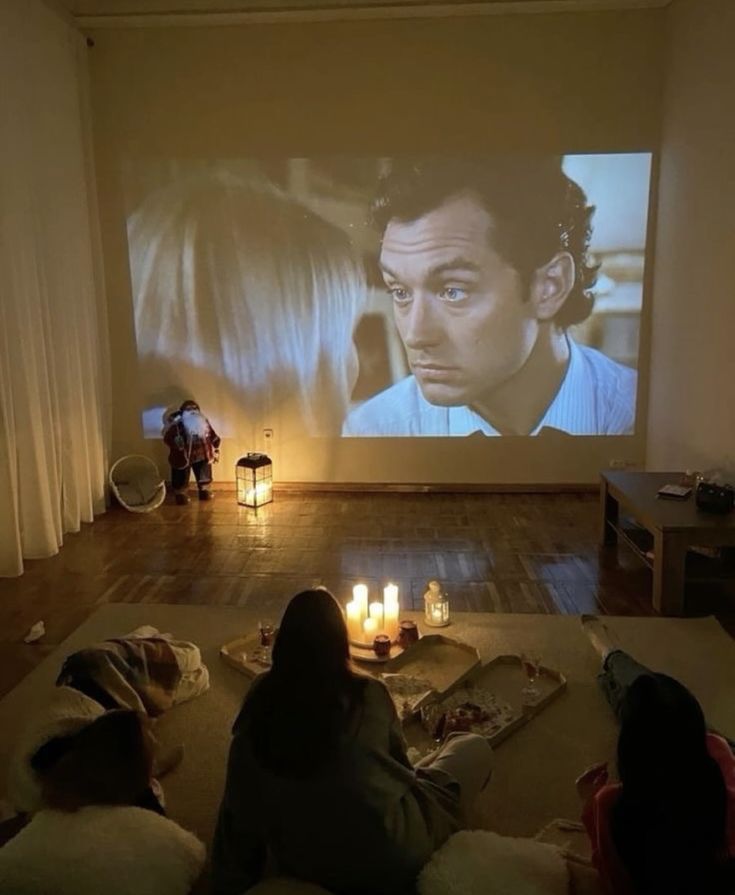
[601, 637]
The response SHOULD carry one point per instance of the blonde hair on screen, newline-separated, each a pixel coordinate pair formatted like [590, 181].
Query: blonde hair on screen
[241, 280]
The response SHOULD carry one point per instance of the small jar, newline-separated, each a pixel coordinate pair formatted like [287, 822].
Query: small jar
[436, 606]
[408, 633]
[381, 646]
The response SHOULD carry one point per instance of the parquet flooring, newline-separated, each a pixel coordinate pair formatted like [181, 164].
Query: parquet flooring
[492, 552]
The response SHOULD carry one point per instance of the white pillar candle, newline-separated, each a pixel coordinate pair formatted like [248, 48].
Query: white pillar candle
[354, 621]
[360, 596]
[391, 610]
[375, 610]
[370, 629]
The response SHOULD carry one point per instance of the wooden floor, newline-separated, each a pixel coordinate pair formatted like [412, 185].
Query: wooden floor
[493, 553]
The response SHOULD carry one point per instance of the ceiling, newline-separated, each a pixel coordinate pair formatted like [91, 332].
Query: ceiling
[118, 10]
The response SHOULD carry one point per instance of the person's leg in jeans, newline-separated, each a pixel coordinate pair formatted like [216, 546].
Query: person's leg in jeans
[203, 475]
[619, 669]
[179, 483]
[468, 759]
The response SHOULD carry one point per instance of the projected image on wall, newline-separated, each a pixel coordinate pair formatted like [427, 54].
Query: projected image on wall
[392, 297]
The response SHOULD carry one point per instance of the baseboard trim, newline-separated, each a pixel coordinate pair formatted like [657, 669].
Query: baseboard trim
[418, 488]
[352, 10]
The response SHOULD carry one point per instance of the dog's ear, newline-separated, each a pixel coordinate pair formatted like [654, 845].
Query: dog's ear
[108, 762]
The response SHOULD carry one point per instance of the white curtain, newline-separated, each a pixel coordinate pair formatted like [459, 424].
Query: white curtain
[53, 351]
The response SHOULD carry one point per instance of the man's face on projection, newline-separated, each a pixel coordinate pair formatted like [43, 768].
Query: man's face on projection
[458, 306]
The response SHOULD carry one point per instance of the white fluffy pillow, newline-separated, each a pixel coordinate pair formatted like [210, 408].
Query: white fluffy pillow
[478, 862]
[101, 850]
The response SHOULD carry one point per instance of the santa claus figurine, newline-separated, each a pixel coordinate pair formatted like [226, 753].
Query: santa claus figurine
[193, 446]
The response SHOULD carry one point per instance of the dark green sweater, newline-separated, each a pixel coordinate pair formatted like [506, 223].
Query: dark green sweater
[366, 824]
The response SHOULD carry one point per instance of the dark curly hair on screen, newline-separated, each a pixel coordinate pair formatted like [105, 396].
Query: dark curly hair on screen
[536, 209]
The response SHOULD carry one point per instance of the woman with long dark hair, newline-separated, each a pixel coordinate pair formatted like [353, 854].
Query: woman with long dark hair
[668, 826]
[318, 782]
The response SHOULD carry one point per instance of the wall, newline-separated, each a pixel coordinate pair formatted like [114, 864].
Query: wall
[692, 416]
[566, 82]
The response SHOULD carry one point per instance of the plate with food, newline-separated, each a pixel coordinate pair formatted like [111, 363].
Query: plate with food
[469, 710]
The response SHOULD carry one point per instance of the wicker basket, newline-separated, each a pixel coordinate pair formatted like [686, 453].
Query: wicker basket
[137, 483]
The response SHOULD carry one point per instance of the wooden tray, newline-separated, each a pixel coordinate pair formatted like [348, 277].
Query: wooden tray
[367, 654]
[503, 676]
[441, 660]
[237, 653]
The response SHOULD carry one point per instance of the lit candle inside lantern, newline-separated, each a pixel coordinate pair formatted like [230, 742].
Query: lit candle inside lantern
[354, 621]
[261, 493]
[370, 629]
[376, 612]
[360, 596]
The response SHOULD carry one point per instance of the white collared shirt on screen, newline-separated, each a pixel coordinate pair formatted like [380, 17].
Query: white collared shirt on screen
[596, 397]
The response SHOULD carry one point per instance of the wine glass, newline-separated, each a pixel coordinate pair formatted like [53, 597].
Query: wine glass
[531, 666]
[267, 631]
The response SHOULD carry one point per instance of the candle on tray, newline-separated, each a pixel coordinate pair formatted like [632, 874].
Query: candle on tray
[354, 621]
[390, 621]
[391, 610]
[375, 610]
[360, 596]
[381, 646]
[370, 629]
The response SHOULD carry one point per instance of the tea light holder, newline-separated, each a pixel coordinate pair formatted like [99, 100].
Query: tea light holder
[436, 606]
[408, 633]
[381, 646]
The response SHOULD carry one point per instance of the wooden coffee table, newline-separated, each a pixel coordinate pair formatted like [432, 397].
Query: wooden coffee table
[675, 525]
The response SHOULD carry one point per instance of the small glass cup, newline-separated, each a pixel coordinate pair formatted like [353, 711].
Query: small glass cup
[531, 664]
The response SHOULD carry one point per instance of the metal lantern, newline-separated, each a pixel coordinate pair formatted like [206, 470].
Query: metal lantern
[254, 478]
[436, 606]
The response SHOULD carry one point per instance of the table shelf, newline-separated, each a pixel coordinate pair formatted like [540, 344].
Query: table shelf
[636, 539]
[699, 568]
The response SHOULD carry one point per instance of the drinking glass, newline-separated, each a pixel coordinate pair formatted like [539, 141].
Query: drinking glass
[531, 666]
[267, 631]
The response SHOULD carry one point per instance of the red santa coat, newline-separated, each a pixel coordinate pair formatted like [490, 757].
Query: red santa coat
[186, 449]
